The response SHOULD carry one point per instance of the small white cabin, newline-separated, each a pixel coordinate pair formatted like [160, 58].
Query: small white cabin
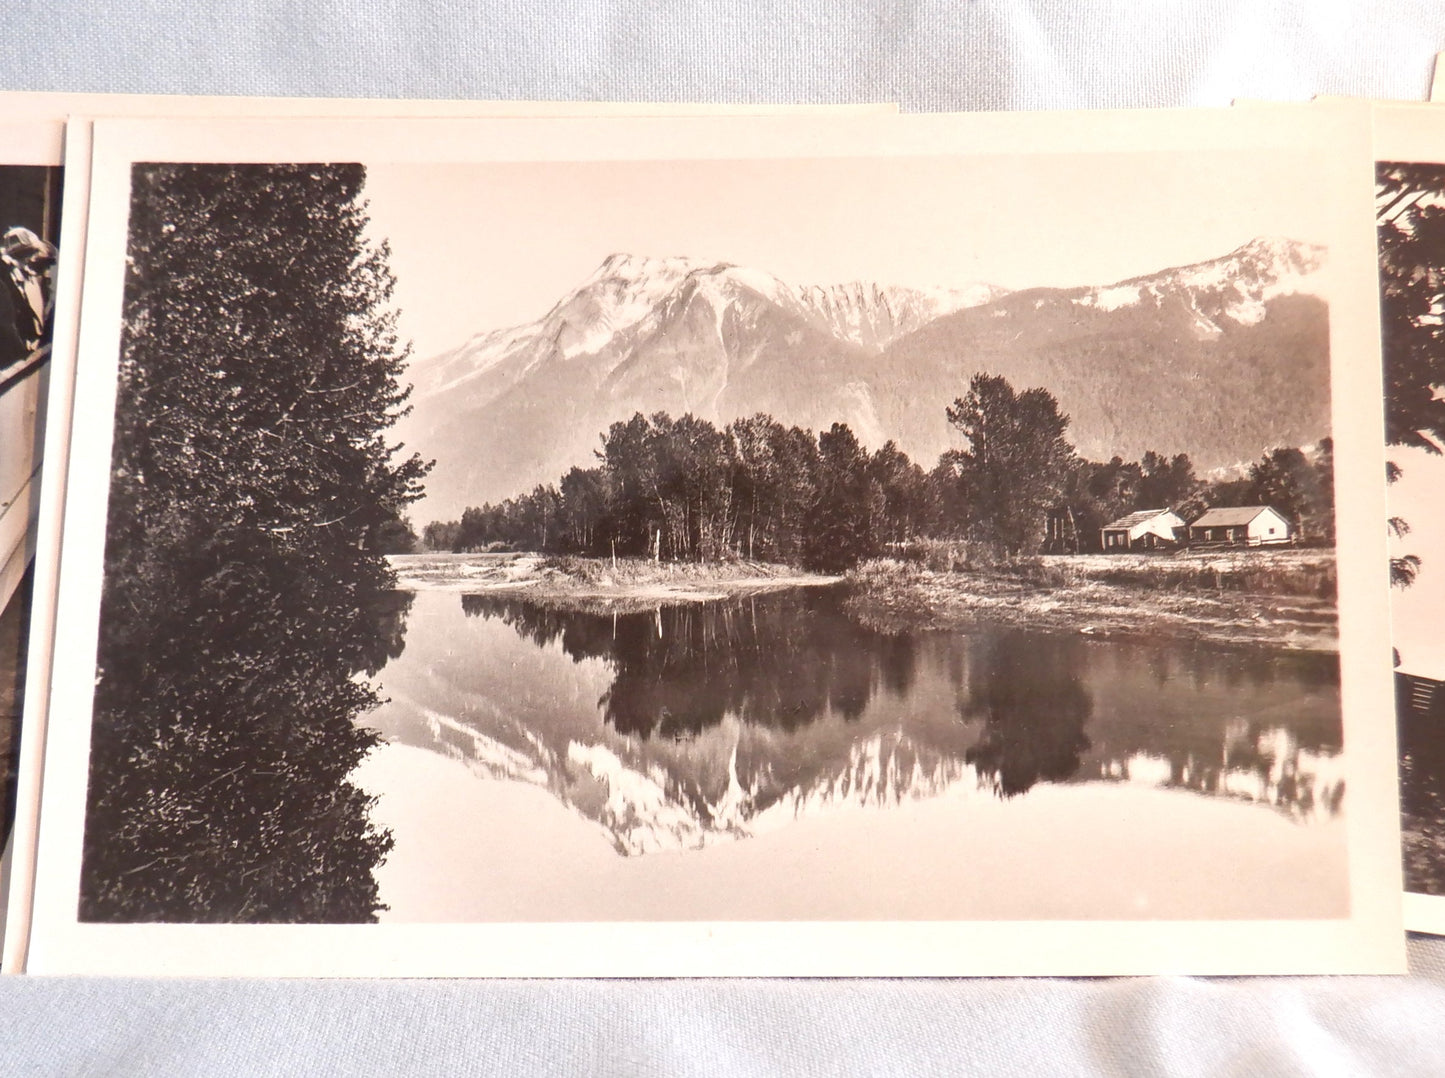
[1243, 525]
[1148, 529]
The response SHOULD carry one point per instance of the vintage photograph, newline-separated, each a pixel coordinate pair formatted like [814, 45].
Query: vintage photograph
[30, 180]
[728, 539]
[1411, 221]
[29, 231]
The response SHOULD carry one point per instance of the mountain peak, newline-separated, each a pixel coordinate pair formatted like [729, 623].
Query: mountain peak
[719, 340]
[1263, 260]
[632, 267]
[1282, 253]
[1234, 287]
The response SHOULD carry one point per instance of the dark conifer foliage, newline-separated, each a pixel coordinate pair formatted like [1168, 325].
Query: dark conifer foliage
[1016, 463]
[1411, 219]
[845, 504]
[1410, 222]
[253, 488]
[682, 490]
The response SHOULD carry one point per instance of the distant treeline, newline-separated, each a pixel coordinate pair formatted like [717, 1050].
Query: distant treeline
[683, 489]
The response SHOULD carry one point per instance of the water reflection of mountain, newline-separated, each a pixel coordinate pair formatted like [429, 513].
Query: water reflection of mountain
[675, 727]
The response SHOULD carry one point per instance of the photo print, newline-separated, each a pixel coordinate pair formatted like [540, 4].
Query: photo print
[30, 178]
[1410, 211]
[604, 550]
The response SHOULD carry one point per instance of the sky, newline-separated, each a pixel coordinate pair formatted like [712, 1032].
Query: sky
[477, 247]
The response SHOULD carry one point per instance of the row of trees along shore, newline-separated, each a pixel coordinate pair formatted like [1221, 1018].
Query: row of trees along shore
[683, 489]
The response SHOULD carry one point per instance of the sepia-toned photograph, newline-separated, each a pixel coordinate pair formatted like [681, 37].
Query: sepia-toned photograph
[29, 231]
[1410, 203]
[945, 537]
[30, 181]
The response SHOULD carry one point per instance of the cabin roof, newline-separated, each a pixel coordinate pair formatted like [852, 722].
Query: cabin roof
[1231, 516]
[1133, 518]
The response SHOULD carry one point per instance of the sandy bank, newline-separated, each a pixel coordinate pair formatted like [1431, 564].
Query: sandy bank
[590, 581]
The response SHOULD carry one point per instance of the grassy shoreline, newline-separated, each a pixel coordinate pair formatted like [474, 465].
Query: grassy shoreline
[1273, 599]
[629, 582]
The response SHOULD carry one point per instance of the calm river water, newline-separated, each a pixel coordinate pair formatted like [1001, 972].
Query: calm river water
[772, 758]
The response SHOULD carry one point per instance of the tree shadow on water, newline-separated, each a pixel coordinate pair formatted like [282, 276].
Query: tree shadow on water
[772, 661]
[1029, 693]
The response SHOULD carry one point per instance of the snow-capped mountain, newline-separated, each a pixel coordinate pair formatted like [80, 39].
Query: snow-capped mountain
[631, 298]
[1161, 361]
[1233, 288]
[874, 315]
[1222, 359]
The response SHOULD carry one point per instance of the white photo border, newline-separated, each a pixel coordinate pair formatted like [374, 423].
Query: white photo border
[1370, 940]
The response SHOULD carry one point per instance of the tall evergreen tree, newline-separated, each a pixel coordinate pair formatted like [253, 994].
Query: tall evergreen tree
[1165, 482]
[1290, 482]
[243, 591]
[844, 510]
[1017, 463]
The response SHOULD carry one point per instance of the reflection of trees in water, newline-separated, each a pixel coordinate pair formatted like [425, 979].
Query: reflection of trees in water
[1255, 725]
[225, 729]
[680, 669]
[1030, 694]
[1243, 668]
[1019, 707]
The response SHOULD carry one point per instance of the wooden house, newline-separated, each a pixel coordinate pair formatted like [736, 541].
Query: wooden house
[1243, 525]
[1148, 529]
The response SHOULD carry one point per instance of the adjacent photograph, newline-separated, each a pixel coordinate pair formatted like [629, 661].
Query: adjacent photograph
[1410, 192]
[29, 232]
[928, 538]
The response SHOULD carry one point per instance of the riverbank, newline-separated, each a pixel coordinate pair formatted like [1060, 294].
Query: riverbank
[1274, 599]
[628, 582]
[1282, 599]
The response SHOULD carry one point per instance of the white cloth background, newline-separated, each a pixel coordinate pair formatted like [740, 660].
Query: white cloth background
[968, 54]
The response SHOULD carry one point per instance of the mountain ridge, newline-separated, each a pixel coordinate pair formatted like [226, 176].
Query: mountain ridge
[518, 406]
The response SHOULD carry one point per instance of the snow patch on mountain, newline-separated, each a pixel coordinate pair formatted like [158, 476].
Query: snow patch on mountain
[862, 413]
[1111, 299]
[637, 809]
[875, 315]
[487, 756]
[633, 296]
[1236, 287]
